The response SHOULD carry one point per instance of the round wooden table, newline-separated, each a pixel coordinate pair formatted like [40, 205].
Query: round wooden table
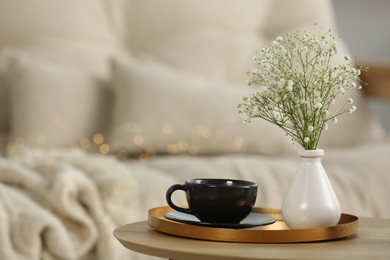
[371, 242]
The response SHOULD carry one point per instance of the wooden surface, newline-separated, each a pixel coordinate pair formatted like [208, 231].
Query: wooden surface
[372, 242]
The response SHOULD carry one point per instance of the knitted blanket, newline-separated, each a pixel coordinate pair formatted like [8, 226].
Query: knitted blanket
[64, 204]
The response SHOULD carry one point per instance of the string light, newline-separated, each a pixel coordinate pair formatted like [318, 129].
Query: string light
[104, 149]
[98, 138]
[85, 143]
[167, 128]
[134, 131]
[138, 140]
[204, 131]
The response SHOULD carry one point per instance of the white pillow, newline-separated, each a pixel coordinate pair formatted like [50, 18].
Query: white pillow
[54, 105]
[161, 110]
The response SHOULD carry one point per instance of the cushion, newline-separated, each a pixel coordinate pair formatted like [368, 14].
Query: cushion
[82, 58]
[29, 24]
[53, 104]
[159, 109]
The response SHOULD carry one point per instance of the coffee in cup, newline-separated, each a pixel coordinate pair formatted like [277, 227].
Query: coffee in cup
[216, 200]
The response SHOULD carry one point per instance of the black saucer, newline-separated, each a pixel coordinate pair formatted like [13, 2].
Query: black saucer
[252, 220]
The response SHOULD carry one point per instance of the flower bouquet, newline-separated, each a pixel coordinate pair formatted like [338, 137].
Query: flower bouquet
[298, 86]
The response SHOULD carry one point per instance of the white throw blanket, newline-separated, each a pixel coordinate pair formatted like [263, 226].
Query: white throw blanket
[64, 204]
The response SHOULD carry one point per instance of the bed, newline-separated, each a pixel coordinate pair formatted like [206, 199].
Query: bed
[105, 104]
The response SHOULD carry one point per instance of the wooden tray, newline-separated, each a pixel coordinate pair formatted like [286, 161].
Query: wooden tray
[273, 233]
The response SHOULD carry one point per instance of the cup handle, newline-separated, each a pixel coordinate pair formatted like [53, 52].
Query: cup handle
[171, 190]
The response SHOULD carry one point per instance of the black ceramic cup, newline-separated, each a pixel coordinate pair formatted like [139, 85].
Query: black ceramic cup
[216, 200]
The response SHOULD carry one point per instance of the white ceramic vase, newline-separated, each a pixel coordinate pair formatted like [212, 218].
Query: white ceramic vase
[311, 201]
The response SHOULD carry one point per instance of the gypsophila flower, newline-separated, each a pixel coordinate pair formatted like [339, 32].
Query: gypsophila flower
[299, 84]
[318, 105]
[327, 113]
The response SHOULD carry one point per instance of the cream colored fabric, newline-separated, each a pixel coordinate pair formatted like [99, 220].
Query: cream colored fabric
[47, 27]
[64, 204]
[29, 22]
[164, 110]
[217, 38]
[55, 105]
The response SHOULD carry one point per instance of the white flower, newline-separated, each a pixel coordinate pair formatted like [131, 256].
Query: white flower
[300, 89]
[281, 82]
[304, 49]
[290, 84]
[335, 120]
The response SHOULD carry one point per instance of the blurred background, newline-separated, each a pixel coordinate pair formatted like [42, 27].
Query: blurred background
[364, 26]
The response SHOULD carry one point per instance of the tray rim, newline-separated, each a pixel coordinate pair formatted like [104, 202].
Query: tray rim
[347, 226]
